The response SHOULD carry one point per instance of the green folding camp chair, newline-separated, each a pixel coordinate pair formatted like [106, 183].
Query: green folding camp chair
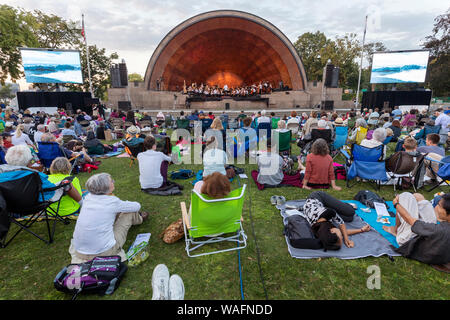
[283, 140]
[214, 220]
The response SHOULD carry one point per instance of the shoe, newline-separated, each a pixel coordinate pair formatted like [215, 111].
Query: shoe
[280, 200]
[176, 288]
[273, 200]
[160, 282]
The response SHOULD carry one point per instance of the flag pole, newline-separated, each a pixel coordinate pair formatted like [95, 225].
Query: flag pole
[360, 65]
[83, 32]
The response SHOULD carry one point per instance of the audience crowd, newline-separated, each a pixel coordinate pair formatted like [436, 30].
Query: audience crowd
[104, 220]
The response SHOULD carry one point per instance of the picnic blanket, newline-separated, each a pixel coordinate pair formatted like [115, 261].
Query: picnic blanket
[366, 244]
[111, 154]
[371, 218]
[288, 181]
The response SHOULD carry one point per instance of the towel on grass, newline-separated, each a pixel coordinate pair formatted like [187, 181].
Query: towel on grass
[371, 218]
[366, 244]
[288, 181]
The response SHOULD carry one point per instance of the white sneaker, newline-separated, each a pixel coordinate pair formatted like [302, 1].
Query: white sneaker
[160, 282]
[176, 288]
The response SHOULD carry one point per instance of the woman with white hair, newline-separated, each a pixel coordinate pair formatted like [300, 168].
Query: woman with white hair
[19, 164]
[19, 137]
[378, 137]
[360, 125]
[104, 221]
[281, 126]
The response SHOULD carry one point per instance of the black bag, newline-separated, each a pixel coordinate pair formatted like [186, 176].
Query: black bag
[299, 233]
[367, 198]
[100, 275]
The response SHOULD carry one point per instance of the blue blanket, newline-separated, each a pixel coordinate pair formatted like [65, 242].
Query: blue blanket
[371, 219]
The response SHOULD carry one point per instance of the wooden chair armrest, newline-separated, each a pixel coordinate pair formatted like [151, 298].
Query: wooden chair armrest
[185, 215]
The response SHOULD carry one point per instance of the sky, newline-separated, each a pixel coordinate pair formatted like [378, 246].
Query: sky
[134, 28]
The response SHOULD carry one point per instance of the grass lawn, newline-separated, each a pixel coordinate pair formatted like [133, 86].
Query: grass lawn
[29, 266]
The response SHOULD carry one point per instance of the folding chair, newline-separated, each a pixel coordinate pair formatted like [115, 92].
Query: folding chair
[133, 151]
[405, 165]
[293, 126]
[387, 140]
[22, 194]
[183, 124]
[365, 163]
[49, 151]
[442, 173]
[265, 126]
[206, 124]
[283, 139]
[214, 220]
[168, 122]
[340, 140]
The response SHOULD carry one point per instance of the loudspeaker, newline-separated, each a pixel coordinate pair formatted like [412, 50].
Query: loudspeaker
[328, 74]
[69, 106]
[124, 105]
[115, 76]
[334, 77]
[386, 105]
[123, 74]
[327, 105]
[227, 106]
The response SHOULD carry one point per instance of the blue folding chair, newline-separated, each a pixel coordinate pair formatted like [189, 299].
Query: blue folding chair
[49, 151]
[340, 140]
[365, 163]
[265, 126]
[206, 124]
[443, 172]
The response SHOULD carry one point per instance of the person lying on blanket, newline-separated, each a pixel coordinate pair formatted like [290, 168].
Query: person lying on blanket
[322, 211]
[270, 167]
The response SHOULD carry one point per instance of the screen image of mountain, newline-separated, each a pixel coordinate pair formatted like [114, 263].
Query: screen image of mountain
[42, 66]
[399, 67]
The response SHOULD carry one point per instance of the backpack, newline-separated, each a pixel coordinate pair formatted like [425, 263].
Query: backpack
[339, 171]
[100, 275]
[182, 174]
[288, 166]
[367, 198]
[299, 233]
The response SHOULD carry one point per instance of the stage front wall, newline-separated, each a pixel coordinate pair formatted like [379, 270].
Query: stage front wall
[376, 99]
[66, 100]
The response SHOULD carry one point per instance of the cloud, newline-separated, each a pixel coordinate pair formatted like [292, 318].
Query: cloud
[134, 28]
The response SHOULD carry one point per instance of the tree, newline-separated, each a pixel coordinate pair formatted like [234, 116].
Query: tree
[135, 77]
[439, 62]
[6, 93]
[309, 46]
[100, 64]
[14, 33]
[52, 31]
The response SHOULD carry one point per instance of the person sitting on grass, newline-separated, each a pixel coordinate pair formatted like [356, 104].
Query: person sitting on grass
[104, 221]
[319, 170]
[71, 202]
[95, 146]
[153, 165]
[270, 167]
[323, 219]
[416, 229]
